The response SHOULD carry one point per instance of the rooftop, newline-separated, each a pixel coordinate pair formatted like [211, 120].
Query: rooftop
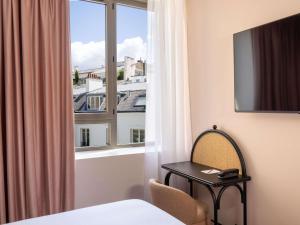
[129, 101]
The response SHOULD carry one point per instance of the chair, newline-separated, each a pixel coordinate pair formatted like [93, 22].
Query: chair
[217, 149]
[179, 204]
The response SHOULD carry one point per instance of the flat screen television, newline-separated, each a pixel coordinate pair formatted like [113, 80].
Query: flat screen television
[267, 67]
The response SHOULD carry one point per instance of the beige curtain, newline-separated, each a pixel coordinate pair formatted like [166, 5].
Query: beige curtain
[36, 115]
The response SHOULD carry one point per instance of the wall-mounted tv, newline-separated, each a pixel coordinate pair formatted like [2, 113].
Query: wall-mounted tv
[267, 67]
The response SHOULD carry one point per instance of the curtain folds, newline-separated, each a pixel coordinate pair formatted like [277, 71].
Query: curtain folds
[168, 125]
[36, 111]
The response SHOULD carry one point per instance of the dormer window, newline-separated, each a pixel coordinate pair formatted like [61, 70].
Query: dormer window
[141, 101]
[94, 102]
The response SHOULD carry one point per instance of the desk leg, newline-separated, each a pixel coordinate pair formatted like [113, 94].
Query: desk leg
[215, 215]
[191, 188]
[243, 192]
[167, 178]
[215, 203]
[245, 203]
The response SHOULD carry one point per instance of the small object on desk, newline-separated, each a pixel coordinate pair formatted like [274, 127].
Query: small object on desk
[229, 173]
[212, 171]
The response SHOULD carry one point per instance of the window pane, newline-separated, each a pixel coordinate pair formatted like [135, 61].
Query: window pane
[88, 137]
[131, 73]
[88, 55]
[91, 135]
[142, 135]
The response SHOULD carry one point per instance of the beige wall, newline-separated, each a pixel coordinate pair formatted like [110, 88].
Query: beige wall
[100, 180]
[270, 142]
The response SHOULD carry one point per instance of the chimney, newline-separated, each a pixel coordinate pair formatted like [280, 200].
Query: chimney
[93, 82]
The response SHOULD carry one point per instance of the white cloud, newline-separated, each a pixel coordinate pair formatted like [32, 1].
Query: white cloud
[133, 47]
[89, 55]
[92, 54]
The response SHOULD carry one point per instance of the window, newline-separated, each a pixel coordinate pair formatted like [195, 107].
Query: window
[108, 43]
[137, 136]
[94, 102]
[97, 135]
[85, 137]
[131, 87]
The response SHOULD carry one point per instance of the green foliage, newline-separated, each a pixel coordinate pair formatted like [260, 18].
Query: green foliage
[76, 77]
[120, 75]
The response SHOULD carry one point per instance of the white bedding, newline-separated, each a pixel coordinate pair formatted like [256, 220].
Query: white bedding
[129, 212]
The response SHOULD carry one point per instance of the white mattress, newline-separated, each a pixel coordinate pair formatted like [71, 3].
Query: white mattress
[129, 212]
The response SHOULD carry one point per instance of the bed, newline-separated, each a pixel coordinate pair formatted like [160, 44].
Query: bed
[128, 212]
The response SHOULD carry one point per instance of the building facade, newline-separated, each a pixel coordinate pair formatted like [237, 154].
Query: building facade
[89, 96]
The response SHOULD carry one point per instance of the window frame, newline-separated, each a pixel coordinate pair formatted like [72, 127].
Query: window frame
[139, 131]
[110, 116]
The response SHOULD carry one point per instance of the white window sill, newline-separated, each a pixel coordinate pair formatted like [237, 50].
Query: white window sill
[109, 153]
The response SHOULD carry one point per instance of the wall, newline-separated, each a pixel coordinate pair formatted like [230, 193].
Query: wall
[98, 132]
[128, 121]
[101, 180]
[270, 142]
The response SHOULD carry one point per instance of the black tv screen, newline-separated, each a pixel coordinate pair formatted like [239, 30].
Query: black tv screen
[267, 67]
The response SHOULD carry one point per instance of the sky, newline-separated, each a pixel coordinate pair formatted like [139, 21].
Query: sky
[88, 33]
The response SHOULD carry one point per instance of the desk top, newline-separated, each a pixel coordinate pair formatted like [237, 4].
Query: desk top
[192, 171]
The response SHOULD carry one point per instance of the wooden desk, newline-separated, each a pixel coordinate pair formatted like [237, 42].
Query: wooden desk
[192, 171]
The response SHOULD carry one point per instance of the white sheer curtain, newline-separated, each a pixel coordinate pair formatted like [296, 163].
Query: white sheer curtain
[168, 126]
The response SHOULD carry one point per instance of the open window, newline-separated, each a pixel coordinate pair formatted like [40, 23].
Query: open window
[108, 44]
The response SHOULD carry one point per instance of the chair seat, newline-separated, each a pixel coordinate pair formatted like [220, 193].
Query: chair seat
[179, 204]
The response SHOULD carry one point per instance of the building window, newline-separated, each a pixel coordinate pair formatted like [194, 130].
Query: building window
[85, 137]
[108, 46]
[137, 135]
